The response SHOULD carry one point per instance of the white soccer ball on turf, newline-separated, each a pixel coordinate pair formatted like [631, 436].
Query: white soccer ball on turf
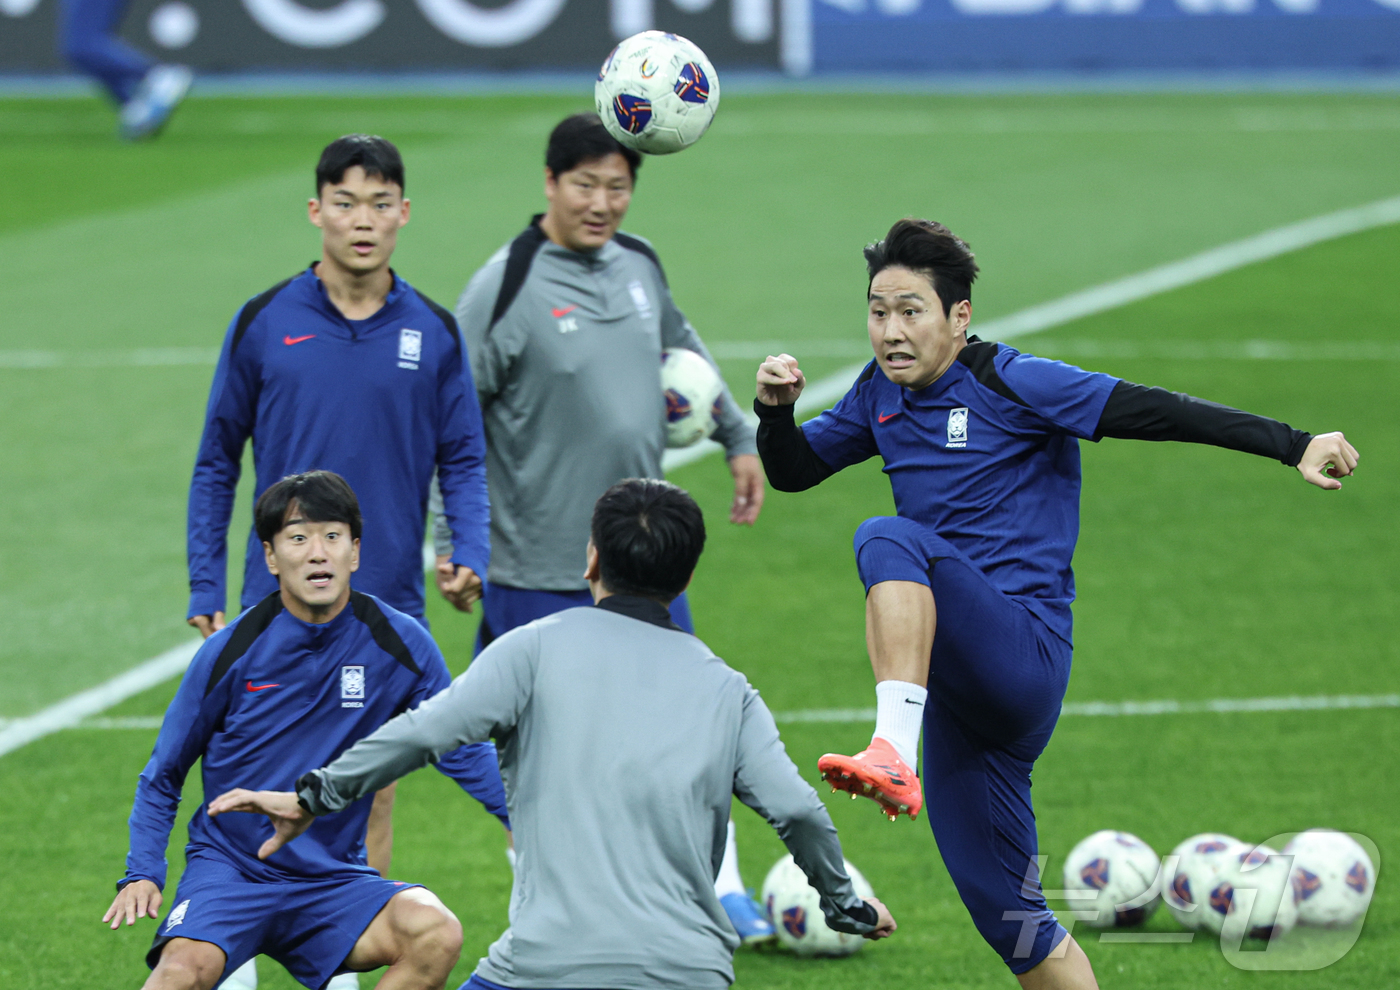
[692, 388]
[794, 907]
[1194, 866]
[1122, 871]
[1333, 877]
[1253, 896]
[657, 92]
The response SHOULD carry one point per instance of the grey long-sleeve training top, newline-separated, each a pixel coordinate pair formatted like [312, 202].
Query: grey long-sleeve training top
[569, 380]
[621, 740]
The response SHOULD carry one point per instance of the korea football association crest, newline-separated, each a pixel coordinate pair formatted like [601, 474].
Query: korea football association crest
[957, 427]
[177, 916]
[352, 686]
[410, 348]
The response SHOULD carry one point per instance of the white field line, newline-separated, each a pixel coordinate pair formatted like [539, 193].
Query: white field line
[1111, 709]
[1128, 708]
[72, 710]
[818, 395]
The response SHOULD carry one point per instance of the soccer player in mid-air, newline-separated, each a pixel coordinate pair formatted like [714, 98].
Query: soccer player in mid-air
[288, 685]
[565, 326]
[624, 741]
[968, 587]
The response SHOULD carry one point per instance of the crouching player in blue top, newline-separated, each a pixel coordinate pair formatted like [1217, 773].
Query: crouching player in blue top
[287, 686]
[968, 588]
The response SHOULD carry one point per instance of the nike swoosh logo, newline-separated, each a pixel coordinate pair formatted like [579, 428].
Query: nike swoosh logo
[562, 312]
[261, 687]
[290, 340]
[884, 416]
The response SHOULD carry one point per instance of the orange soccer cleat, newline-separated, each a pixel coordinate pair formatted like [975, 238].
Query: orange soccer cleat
[877, 773]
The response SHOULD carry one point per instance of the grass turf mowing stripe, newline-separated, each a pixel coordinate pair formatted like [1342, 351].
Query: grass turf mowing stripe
[1161, 707]
[1076, 305]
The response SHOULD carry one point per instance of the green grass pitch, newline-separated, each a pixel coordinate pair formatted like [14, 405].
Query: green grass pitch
[1201, 573]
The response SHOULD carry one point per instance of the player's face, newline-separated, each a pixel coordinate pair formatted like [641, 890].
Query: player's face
[587, 203]
[313, 562]
[359, 217]
[914, 342]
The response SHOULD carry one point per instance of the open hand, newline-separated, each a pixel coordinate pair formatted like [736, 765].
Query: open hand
[887, 925]
[288, 818]
[458, 584]
[1328, 458]
[780, 381]
[138, 899]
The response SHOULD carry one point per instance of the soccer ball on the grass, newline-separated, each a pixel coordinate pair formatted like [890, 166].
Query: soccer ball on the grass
[1253, 896]
[657, 92]
[794, 907]
[1333, 877]
[692, 388]
[1194, 866]
[1122, 871]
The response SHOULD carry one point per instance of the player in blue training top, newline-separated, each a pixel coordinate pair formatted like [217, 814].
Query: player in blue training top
[348, 368]
[287, 686]
[968, 588]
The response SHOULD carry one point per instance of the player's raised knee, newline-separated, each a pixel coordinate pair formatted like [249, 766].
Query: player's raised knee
[187, 964]
[889, 548]
[425, 926]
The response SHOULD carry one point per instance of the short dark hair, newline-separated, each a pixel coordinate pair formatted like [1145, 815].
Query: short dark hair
[322, 496]
[583, 138]
[933, 251]
[378, 157]
[649, 535]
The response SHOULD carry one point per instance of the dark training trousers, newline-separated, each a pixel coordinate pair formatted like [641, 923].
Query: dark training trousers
[89, 41]
[996, 680]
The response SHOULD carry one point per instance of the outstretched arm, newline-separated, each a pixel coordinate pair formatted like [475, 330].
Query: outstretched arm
[1139, 412]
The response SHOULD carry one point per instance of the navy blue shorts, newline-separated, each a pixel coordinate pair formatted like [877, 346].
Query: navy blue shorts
[308, 927]
[503, 608]
[997, 676]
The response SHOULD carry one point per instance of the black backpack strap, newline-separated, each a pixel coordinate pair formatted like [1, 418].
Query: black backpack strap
[522, 255]
[643, 248]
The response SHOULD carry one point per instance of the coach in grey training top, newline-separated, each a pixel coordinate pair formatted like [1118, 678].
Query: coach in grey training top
[621, 739]
[564, 328]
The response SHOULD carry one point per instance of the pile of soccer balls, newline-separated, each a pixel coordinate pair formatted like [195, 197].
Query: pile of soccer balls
[1218, 884]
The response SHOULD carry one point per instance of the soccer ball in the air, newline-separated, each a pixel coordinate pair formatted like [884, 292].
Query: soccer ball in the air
[657, 92]
[1253, 896]
[692, 388]
[1122, 871]
[794, 907]
[1333, 877]
[1193, 867]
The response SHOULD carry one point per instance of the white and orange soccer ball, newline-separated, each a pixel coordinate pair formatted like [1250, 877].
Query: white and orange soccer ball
[1253, 896]
[657, 92]
[1120, 870]
[1333, 877]
[794, 907]
[1193, 867]
[692, 388]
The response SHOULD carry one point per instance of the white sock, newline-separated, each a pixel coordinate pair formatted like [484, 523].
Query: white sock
[345, 981]
[729, 881]
[245, 977]
[899, 714]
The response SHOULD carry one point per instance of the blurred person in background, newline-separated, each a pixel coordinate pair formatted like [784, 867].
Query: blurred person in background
[146, 91]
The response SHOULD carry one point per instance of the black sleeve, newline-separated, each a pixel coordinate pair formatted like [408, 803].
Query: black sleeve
[1138, 412]
[788, 459]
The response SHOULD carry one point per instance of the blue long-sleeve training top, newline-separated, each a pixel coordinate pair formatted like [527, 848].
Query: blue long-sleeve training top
[269, 698]
[383, 402]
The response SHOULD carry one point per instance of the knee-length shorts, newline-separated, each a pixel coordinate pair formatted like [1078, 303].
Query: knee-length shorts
[997, 677]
